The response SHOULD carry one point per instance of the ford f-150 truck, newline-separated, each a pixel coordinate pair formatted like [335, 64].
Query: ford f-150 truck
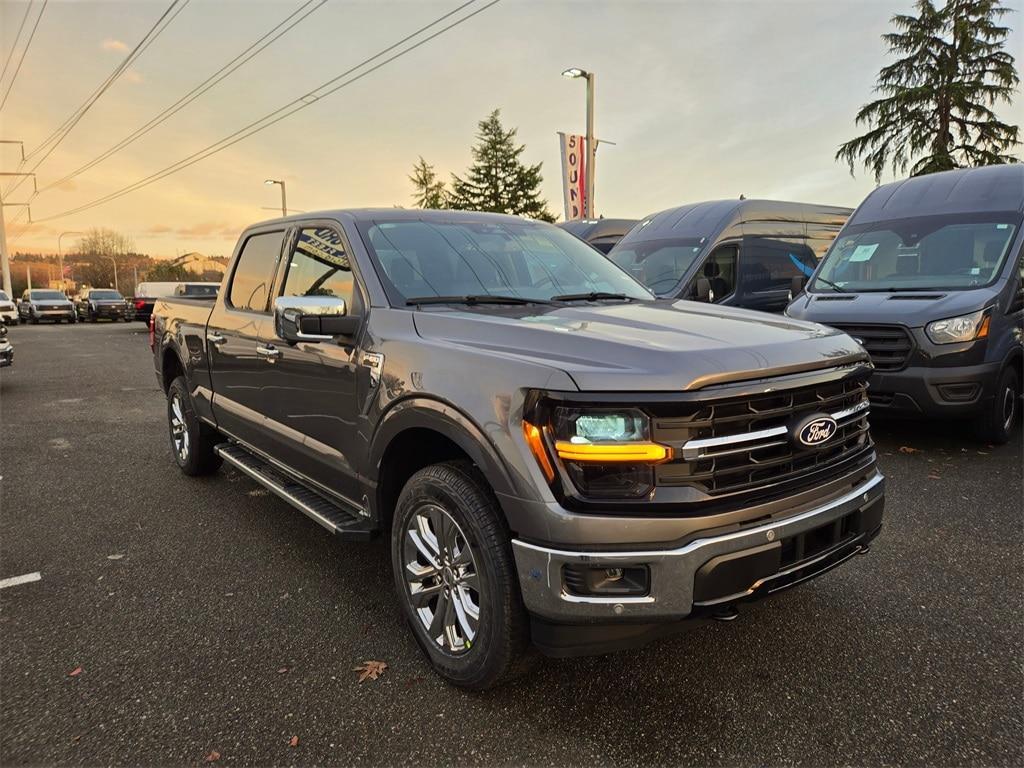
[558, 458]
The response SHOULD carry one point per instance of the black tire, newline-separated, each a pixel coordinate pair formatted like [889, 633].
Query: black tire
[198, 456]
[92, 318]
[997, 422]
[35, 321]
[499, 645]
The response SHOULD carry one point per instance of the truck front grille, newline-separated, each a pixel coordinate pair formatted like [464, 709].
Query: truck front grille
[888, 345]
[733, 445]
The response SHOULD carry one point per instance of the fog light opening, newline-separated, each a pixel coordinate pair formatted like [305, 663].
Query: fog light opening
[596, 581]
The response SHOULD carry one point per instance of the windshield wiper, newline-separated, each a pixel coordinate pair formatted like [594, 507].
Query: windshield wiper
[830, 284]
[592, 296]
[474, 298]
[891, 289]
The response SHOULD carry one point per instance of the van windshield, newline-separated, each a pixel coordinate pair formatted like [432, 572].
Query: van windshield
[529, 261]
[925, 253]
[658, 264]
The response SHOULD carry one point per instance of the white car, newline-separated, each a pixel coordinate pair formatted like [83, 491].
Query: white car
[8, 312]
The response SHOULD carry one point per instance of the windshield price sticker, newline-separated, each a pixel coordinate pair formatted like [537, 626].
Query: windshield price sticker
[863, 252]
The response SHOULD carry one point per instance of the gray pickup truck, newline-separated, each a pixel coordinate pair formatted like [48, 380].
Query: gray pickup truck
[559, 459]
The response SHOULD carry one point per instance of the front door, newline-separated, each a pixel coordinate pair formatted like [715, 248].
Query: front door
[234, 337]
[312, 388]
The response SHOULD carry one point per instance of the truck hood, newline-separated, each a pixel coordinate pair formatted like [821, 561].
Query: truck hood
[912, 309]
[652, 346]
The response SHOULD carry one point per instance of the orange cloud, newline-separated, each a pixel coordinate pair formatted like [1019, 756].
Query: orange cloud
[110, 44]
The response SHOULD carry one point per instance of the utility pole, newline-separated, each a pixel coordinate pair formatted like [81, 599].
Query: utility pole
[5, 263]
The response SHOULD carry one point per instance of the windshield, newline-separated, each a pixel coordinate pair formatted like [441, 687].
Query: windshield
[658, 264]
[921, 253]
[46, 296]
[106, 295]
[528, 261]
[4, 296]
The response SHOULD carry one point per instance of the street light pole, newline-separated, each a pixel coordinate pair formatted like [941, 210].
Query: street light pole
[588, 202]
[114, 262]
[284, 200]
[60, 255]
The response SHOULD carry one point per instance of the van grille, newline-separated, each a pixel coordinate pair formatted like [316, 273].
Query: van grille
[741, 444]
[888, 345]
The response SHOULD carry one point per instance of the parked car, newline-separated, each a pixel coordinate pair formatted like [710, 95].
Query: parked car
[740, 253]
[8, 309]
[146, 294]
[94, 304]
[43, 304]
[557, 457]
[927, 276]
[6, 349]
[602, 234]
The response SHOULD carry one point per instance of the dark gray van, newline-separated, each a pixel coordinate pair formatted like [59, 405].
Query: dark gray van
[927, 276]
[602, 234]
[741, 253]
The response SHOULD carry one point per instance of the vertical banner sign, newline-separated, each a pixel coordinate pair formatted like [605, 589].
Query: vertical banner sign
[574, 173]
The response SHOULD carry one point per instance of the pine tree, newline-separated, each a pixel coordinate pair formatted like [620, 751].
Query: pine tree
[936, 107]
[430, 190]
[498, 181]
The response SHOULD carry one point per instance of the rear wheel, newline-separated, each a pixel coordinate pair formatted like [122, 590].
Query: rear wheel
[192, 442]
[998, 420]
[455, 576]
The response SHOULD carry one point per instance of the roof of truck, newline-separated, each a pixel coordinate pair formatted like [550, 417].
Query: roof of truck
[709, 218]
[397, 214]
[969, 190]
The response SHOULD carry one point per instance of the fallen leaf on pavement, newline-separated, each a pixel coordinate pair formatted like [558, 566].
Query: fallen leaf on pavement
[934, 477]
[282, 670]
[114, 557]
[293, 741]
[213, 757]
[75, 672]
[370, 670]
[908, 449]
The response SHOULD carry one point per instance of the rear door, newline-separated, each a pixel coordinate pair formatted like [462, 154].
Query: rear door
[235, 333]
[312, 389]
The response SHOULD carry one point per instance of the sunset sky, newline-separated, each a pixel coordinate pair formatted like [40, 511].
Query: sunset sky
[703, 99]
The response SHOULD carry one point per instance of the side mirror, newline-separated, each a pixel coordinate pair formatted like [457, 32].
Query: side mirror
[312, 318]
[703, 291]
[796, 286]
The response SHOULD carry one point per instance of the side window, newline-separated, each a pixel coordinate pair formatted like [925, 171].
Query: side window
[319, 266]
[1017, 300]
[720, 270]
[771, 265]
[254, 273]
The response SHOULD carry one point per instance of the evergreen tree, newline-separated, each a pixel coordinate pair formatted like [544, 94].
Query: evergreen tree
[429, 191]
[498, 181]
[936, 107]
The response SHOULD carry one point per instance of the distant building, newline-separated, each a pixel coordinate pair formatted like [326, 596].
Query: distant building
[198, 264]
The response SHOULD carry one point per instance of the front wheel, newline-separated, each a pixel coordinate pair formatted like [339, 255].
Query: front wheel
[455, 576]
[192, 442]
[998, 420]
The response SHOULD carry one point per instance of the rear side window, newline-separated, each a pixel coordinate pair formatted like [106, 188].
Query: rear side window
[254, 273]
[319, 266]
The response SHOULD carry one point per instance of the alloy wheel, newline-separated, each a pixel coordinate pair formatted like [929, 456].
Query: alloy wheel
[441, 579]
[1009, 407]
[179, 430]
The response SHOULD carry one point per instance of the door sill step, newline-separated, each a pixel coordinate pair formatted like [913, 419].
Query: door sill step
[338, 520]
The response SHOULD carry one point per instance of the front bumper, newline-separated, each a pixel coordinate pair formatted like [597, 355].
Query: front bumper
[54, 314]
[6, 355]
[711, 571]
[942, 391]
[9, 315]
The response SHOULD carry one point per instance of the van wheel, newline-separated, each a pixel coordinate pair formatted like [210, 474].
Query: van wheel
[192, 442]
[997, 422]
[455, 576]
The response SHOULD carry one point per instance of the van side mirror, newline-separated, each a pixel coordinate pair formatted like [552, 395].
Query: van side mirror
[703, 291]
[796, 286]
[312, 318]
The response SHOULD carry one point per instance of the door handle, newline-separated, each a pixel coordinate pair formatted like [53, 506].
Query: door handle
[268, 351]
[215, 338]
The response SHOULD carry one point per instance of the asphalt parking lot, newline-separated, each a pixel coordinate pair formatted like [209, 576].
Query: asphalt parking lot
[209, 619]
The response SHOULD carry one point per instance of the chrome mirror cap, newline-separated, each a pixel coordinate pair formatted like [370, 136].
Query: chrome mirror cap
[291, 311]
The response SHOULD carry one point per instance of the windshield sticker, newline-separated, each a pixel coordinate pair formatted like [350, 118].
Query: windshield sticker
[863, 252]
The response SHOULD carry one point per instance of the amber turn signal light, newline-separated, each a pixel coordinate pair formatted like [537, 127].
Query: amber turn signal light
[535, 440]
[608, 453]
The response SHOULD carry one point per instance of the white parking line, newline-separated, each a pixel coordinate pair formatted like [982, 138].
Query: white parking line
[16, 580]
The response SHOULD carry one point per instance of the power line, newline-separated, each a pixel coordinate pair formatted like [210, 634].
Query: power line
[287, 110]
[68, 125]
[240, 60]
[17, 37]
[21, 59]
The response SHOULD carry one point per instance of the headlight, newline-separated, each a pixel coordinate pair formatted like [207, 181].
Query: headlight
[606, 452]
[959, 329]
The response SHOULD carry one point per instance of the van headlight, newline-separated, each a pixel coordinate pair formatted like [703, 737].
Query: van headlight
[959, 329]
[605, 452]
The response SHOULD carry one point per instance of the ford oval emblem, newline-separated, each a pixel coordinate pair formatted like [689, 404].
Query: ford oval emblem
[816, 431]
